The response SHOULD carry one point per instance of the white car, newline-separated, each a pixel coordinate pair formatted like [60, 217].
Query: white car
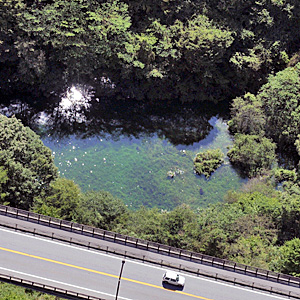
[174, 278]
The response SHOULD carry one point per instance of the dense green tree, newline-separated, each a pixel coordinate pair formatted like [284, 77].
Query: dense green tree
[273, 113]
[246, 230]
[3, 180]
[60, 201]
[167, 227]
[282, 175]
[225, 230]
[280, 100]
[297, 144]
[83, 35]
[258, 204]
[290, 220]
[252, 154]
[247, 116]
[145, 224]
[288, 259]
[27, 162]
[212, 232]
[191, 50]
[252, 250]
[101, 209]
[177, 225]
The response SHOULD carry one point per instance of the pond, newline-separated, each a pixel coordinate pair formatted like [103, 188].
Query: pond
[130, 149]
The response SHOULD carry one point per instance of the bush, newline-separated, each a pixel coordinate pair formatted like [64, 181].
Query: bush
[288, 260]
[252, 154]
[207, 162]
[247, 116]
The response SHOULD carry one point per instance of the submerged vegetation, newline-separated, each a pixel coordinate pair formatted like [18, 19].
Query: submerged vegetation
[148, 170]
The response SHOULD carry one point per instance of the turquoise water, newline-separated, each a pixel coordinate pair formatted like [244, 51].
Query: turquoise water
[136, 169]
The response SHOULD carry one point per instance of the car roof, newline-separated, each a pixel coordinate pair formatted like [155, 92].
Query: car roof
[171, 274]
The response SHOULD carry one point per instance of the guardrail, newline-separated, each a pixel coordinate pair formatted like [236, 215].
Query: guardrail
[153, 247]
[46, 288]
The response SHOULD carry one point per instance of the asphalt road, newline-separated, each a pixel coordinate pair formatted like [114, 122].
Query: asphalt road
[96, 274]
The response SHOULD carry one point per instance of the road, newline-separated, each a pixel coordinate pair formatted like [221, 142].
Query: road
[96, 274]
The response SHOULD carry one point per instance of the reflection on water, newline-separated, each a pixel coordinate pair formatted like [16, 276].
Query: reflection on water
[139, 152]
[75, 101]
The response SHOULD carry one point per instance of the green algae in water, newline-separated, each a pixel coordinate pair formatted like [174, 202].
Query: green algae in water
[136, 170]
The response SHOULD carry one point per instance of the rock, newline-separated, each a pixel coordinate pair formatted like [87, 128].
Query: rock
[179, 172]
[171, 174]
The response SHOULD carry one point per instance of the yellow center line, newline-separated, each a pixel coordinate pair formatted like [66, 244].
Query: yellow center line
[99, 272]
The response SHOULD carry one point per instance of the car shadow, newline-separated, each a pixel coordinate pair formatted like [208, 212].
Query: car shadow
[172, 287]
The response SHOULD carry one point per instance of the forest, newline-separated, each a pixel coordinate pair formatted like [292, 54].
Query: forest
[160, 50]
[241, 52]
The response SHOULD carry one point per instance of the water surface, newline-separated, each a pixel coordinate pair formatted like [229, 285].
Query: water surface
[136, 169]
[130, 148]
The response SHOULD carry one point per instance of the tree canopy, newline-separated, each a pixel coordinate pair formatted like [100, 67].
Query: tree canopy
[27, 162]
[252, 154]
[281, 104]
[158, 50]
[101, 209]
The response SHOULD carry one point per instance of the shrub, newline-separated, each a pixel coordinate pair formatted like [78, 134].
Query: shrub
[207, 162]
